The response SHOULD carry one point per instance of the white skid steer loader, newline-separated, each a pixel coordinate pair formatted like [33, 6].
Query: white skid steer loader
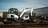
[22, 16]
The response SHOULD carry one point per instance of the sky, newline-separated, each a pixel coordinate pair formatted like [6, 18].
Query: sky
[21, 4]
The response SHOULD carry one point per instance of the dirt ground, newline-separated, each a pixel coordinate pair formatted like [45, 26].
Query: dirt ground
[23, 26]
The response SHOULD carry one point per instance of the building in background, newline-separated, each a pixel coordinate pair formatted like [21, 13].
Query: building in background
[41, 11]
[3, 15]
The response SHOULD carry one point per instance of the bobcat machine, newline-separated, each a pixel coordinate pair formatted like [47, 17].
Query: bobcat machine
[25, 15]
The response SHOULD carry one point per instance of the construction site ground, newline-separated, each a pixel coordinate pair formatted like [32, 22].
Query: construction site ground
[24, 26]
[43, 24]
